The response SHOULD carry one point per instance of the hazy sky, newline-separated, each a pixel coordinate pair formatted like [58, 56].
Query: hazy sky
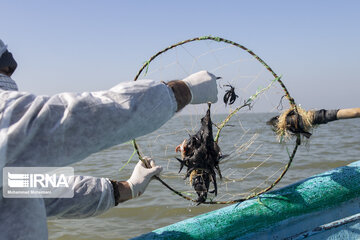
[93, 45]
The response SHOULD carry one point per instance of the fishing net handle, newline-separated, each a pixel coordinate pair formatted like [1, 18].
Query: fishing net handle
[277, 78]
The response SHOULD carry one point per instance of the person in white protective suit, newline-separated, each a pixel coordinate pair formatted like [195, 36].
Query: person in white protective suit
[55, 131]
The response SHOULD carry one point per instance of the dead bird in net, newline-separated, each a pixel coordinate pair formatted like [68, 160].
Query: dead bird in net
[201, 155]
[230, 95]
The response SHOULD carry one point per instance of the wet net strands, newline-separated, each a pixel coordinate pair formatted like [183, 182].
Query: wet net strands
[263, 186]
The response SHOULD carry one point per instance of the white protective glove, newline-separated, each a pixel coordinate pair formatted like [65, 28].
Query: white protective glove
[202, 86]
[141, 176]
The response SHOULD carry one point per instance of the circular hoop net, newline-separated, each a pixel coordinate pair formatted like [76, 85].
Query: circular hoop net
[254, 157]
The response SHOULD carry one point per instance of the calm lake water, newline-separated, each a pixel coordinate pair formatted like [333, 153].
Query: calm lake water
[254, 156]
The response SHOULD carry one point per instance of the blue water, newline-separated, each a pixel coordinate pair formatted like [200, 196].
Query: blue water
[255, 155]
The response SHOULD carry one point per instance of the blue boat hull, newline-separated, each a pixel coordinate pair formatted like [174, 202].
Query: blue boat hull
[316, 208]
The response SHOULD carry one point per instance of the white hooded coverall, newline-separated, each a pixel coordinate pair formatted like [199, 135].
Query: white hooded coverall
[43, 131]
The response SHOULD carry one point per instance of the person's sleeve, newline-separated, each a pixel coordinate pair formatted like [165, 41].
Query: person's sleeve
[68, 127]
[92, 196]
[323, 116]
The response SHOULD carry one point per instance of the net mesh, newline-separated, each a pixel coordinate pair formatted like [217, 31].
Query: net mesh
[254, 158]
